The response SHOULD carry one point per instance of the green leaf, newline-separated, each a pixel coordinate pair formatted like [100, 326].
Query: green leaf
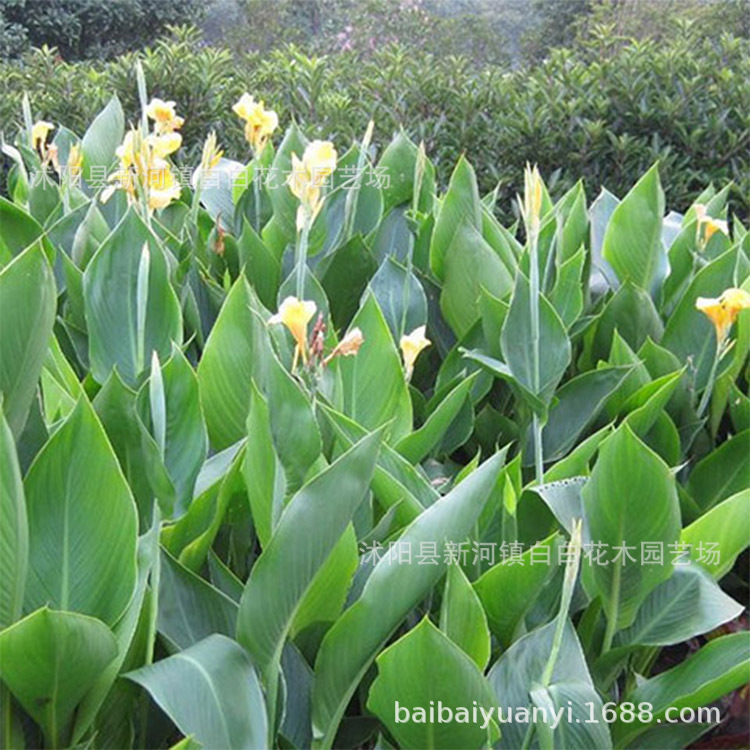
[392, 590]
[578, 403]
[399, 160]
[516, 342]
[689, 603]
[298, 549]
[50, 660]
[722, 473]
[718, 668]
[112, 310]
[101, 140]
[632, 243]
[14, 531]
[689, 333]
[460, 204]
[462, 618]
[400, 296]
[509, 589]
[82, 523]
[416, 445]
[374, 388]
[262, 267]
[469, 265]
[27, 313]
[630, 498]
[190, 609]
[647, 404]
[726, 525]
[210, 691]
[567, 294]
[425, 668]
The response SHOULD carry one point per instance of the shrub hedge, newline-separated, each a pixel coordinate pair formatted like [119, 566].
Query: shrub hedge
[603, 112]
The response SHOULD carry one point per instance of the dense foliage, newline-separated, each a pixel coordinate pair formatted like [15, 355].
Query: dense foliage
[399, 486]
[603, 113]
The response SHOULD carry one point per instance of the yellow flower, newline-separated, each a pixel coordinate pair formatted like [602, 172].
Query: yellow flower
[723, 311]
[142, 162]
[309, 175]
[259, 121]
[411, 346]
[533, 194]
[39, 132]
[348, 346]
[707, 225]
[164, 145]
[75, 158]
[295, 314]
[164, 116]
[212, 154]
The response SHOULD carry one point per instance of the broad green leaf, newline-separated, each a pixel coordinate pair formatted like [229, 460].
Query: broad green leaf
[722, 473]
[509, 589]
[400, 296]
[689, 603]
[124, 631]
[518, 669]
[101, 140]
[578, 403]
[462, 617]
[374, 388]
[190, 609]
[470, 264]
[718, 668]
[416, 445]
[516, 342]
[567, 294]
[18, 230]
[581, 724]
[392, 590]
[299, 547]
[121, 333]
[50, 660]
[262, 267]
[82, 523]
[216, 194]
[460, 204]
[689, 333]
[27, 313]
[632, 242]
[577, 462]
[14, 531]
[727, 526]
[399, 160]
[425, 668]
[645, 406]
[210, 691]
[630, 499]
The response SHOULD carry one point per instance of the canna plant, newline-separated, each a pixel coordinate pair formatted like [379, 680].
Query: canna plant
[280, 455]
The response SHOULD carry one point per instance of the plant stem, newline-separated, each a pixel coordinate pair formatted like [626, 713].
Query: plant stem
[256, 201]
[537, 426]
[301, 259]
[708, 390]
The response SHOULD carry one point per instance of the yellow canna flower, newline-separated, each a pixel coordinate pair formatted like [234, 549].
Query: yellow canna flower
[533, 193]
[212, 154]
[707, 225]
[164, 145]
[260, 122]
[411, 346]
[309, 175]
[295, 314]
[39, 132]
[75, 158]
[164, 116]
[348, 346]
[162, 186]
[723, 311]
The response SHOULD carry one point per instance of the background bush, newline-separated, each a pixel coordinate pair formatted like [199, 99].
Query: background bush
[602, 111]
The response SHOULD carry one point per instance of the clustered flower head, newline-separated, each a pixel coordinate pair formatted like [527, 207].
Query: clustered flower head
[260, 122]
[707, 225]
[722, 311]
[296, 315]
[411, 346]
[309, 175]
[143, 159]
[212, 154]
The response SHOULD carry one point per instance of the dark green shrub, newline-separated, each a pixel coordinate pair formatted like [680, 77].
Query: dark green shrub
[603, 112]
